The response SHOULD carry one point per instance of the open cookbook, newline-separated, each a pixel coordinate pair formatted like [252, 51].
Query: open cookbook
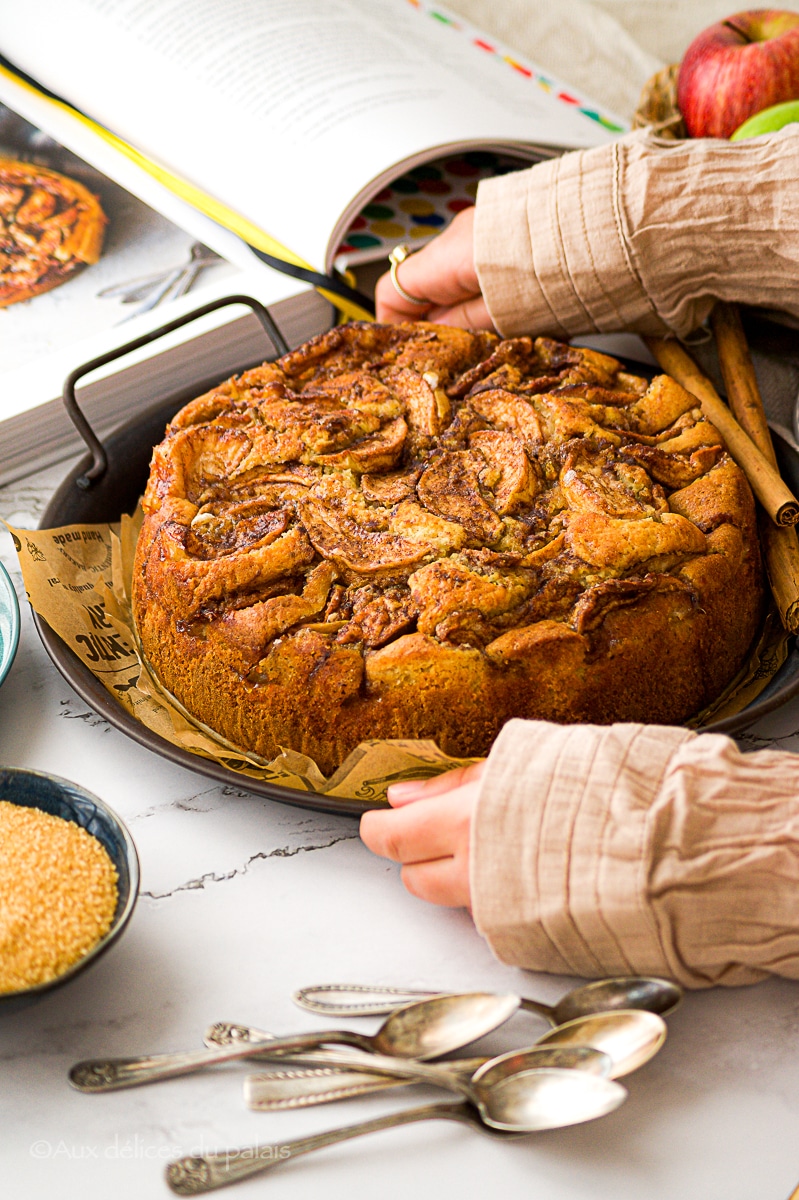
[292, 138]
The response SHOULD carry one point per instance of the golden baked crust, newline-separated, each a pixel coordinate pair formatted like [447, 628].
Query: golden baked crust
[50, 227]
[416, 531]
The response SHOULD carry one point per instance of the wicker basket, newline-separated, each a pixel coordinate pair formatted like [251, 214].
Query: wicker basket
[657, 108]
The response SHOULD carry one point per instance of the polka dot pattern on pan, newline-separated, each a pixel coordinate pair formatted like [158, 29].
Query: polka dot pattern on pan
[418, 205]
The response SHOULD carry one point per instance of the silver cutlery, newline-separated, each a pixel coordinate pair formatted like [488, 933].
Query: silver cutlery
[157, 294]
[151, 290]
[428, 1029]
[500, 1100]
[224, 1033]
[630, 1038]
[300, 1087]
[604, 995]
[329, 1076]
[131, 288]
[199, 257]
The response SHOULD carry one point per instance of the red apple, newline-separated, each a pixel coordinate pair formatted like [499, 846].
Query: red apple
[736, 68]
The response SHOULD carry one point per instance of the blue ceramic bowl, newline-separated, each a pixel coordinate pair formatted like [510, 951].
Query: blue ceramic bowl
[60, 798]
[9, 623]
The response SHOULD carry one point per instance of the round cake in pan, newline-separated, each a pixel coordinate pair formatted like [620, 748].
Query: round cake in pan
[50, 227]
[413, 531]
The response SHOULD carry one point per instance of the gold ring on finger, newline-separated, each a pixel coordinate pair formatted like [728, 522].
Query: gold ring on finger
[397, 256]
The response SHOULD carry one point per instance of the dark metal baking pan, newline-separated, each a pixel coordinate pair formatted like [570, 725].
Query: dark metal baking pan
[117, 490]
[785, 683]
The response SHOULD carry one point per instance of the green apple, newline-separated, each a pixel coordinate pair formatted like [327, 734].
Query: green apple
[767, 121]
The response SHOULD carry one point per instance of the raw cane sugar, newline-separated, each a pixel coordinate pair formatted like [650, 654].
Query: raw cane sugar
[58, 895]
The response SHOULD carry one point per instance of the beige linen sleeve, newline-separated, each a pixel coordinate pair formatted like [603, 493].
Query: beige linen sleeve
[637, 849]
[642, 234]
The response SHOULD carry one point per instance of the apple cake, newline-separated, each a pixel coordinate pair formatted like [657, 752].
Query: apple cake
[50, 227]
[414, 531]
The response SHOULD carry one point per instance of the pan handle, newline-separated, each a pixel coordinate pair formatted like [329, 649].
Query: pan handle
[99, 457]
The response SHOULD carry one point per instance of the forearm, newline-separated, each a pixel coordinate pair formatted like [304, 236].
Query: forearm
[637, 849]
[642, 234]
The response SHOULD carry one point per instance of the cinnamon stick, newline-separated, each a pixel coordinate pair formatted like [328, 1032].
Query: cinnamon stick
[764, 478]
[781, 555]
[738, 372]
[780, 546]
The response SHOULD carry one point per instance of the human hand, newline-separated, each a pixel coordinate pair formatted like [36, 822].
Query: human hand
[428, 832]
[442, 272]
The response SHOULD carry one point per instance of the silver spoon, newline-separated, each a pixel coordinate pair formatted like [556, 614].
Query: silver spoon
[630, 1038]
[604, 995]
[523, 1101]
[224, 1033]
[297, 1087]
[427, 1029]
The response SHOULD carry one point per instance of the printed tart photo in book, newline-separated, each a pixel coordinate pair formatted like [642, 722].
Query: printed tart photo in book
[50, 227]
[414, 531]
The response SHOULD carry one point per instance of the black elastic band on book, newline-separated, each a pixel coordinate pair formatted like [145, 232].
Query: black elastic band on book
[9, 66]
[329, 283]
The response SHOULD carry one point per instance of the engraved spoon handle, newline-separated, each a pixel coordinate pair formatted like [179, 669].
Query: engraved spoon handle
[356, 999]
[364, 1000]
[304, 1087]
[194, 1175]
[113, 1074]
[411, 1070]
[300, 1087]
[225, 1033]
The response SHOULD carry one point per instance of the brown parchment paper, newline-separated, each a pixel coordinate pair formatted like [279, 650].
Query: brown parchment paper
[78, 578]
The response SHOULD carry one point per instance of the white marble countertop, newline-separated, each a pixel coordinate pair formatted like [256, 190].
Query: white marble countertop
[242, 901]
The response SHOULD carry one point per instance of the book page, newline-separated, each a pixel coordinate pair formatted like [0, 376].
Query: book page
[284, 109]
